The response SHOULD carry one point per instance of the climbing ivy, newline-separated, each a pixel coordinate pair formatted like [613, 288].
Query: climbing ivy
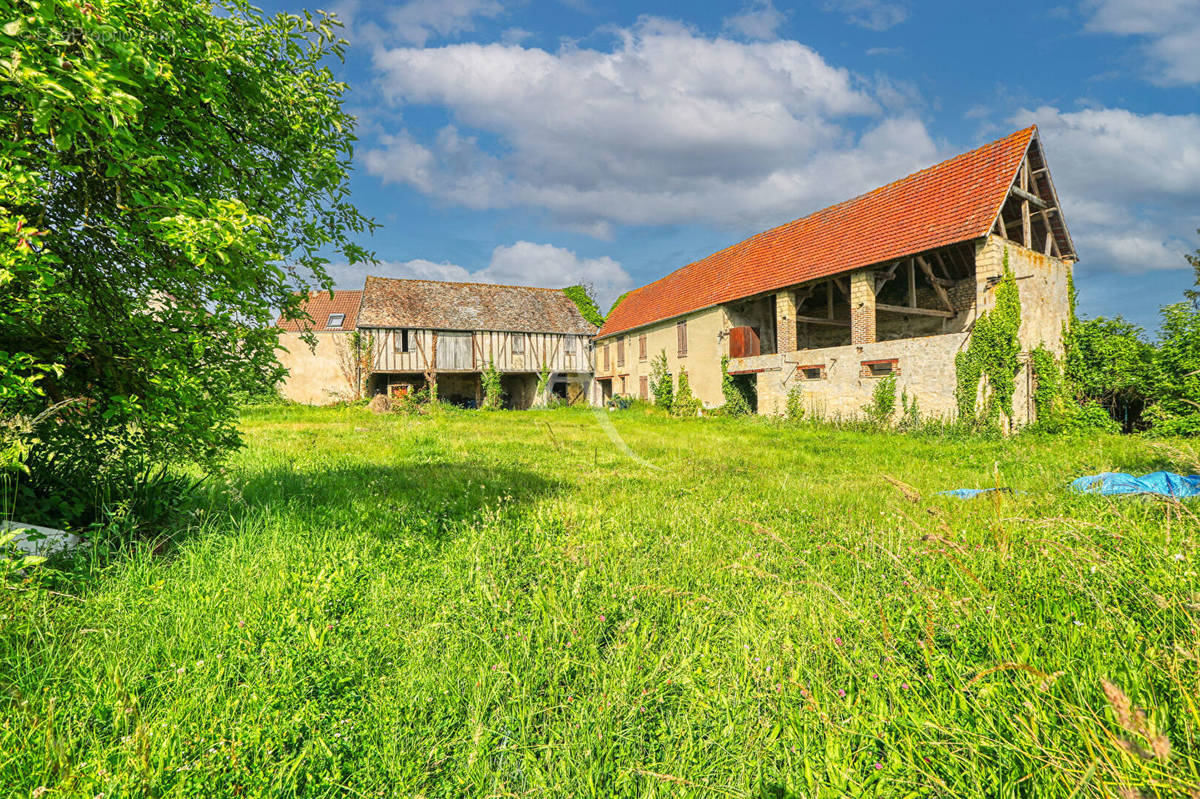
[543, 380]
[883, 401]
[582, 297]
[992, 354]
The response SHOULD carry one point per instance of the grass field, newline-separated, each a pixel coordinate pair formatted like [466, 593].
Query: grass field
[509, 604]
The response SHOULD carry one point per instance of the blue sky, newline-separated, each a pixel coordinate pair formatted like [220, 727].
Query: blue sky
[570, 141]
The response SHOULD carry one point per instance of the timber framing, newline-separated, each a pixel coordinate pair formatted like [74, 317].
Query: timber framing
[1030, 214]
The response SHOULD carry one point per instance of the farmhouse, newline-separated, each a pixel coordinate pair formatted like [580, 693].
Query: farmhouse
[888, 283]
[398, 336]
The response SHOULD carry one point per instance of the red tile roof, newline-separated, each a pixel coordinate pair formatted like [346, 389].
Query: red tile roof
[320, 306]
[954, 201]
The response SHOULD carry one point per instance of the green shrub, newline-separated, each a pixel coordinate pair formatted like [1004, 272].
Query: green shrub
[883, 401]
[736, 402]
[794, 408]
[661, 385]
[685, 404]
[493, 394]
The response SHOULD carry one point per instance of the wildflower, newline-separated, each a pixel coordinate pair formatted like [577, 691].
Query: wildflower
[180, 670]
[1178, 556]
[841, 692]
[878, 766]
[199, 664]
[903, 686]
[241, 623]
[601, 617]
[837, 641]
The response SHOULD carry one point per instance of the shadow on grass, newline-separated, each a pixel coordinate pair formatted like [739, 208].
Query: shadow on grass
[424, 498]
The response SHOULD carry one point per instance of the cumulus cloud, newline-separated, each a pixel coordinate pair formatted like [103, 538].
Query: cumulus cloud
[666, 126]
[419, 20]
[1129, 183]
[521, 264]
[758, 20]
[1170, 30]
[875, 15]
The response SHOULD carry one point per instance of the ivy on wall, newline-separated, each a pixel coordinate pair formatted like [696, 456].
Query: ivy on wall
[992, 354]
[584, 302]
[736, 402]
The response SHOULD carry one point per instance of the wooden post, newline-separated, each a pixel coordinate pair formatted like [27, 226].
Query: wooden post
[912, 284]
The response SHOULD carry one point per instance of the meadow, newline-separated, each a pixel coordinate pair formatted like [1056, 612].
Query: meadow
[519, 604]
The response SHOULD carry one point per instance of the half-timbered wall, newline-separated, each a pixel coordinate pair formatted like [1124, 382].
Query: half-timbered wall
[510, 352]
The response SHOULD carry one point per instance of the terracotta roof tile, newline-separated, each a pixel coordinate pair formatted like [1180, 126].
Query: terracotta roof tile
[320, 306]
[954, 201]
[390, 302]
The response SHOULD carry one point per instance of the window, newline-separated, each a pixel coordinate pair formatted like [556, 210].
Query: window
[621, 353]
[403, 341]
[518, 344]
[641, 348]
[622, 384]
[681, 337]
[643, 385]
[814, 372]
[881, 368]
[569, 347]
[336, 320]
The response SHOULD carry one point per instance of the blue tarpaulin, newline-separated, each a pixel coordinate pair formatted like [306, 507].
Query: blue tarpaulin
[969, 493]
[1167, 484]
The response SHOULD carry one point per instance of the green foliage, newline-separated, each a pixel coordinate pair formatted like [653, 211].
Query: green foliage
[1058, 410]
[493, 394]
[794, 407]
[685, 404]
[883, 401]
[1175, 375]
[582, 297]
[910, 412]
[1109, 362]
[736, 401]
[992, 355]
[661, 383]
[617, 302]
[160, 163]
[543, 380]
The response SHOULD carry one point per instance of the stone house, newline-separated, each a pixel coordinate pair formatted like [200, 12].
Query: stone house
[411, 333]
[888, 283]
[326, 372]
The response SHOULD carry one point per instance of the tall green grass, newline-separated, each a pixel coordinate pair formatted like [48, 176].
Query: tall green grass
[505, 604]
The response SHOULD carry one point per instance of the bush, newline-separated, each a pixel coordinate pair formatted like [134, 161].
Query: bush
[685, 403]
[493, 394]
[883, 401]
[661, 385]
[736, 402]
[794, 408]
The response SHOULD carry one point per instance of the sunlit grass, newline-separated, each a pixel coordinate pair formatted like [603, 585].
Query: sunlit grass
[506, 604]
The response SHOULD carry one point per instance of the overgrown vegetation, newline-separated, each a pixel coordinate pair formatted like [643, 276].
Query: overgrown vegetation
[737, 401]
[662, 385]
[794, 406]
[883, 401]
[543, 381]
[493, 392]
[159, 162]
[685, 404]
[582, 297]
[466, 604]
[991, 357]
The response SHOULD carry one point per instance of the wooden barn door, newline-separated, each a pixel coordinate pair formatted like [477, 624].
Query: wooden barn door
[454, 351]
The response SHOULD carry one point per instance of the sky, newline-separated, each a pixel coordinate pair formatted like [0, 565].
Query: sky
[552, 142]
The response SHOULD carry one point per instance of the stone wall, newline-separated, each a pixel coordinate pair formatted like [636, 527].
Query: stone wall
[314, 378]
[924, 368]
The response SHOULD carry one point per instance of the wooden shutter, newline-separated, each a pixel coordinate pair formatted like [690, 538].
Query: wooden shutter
[621, 353]
[642, 347]
[607, 364]
[681, 337]
[643, 387]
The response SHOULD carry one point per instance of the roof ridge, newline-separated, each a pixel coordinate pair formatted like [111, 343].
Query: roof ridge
[461, 283]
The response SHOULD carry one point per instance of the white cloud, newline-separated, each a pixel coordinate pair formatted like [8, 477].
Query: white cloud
[419, 20]
[521, 264]
[667, 126]
[760, 19]
[1129, 183]
[1170, 28]
[874, 15]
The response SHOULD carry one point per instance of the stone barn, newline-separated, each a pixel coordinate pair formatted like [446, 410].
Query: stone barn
[327, 372]
[888, 283]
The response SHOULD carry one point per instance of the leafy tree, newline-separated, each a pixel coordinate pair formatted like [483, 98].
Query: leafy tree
[171, 175]
[1175, 375]
[1108, 362]
[685, 403]
[582, 297]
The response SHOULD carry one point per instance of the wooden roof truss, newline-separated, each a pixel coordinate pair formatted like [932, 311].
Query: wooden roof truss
[1031, 215]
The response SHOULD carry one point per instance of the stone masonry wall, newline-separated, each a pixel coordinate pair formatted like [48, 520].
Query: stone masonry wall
[862, 306]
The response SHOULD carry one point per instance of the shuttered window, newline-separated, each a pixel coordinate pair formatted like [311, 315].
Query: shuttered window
[641, 348]
[607, 365]
[643, 388]
[621, 353]
[681, 337]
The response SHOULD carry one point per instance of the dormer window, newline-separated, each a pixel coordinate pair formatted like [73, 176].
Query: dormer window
[336, 320]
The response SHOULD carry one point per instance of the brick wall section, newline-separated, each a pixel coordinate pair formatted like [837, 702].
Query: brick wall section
[785, 321]
[862, 306]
